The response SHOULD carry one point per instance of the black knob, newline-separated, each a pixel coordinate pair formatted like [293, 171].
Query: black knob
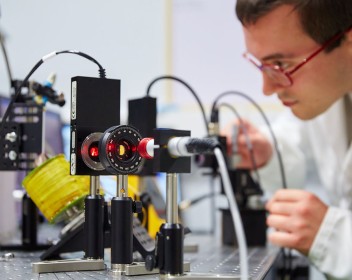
[137, 207]
[150, 262]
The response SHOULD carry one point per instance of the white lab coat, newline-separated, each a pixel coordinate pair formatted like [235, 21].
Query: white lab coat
[317, 157]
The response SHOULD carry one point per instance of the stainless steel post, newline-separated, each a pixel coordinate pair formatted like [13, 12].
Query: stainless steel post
[171, 199]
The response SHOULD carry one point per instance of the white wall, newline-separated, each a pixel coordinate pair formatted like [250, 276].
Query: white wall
[126, 37]
[131, 39]
[207, 50]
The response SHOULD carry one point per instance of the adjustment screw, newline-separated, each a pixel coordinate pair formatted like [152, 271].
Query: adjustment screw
[150, 262]
[137, 207]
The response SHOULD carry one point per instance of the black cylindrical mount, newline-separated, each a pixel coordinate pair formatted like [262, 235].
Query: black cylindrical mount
[94, 227]
[121, 230]
[29, 222]
[173, 249]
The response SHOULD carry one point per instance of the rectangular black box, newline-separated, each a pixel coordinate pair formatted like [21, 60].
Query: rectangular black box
[95, 107]
[142, 115]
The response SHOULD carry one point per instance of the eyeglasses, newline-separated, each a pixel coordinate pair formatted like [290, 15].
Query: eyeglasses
[281, 76]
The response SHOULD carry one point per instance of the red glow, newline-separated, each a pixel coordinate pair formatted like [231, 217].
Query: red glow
[111, 147]
[94, 151]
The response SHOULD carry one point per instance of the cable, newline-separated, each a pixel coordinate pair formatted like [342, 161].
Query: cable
[17, 93]
[36, 66]
[248, 141]
[8, 68]
[102, 73]
[236, 217]
[188, 87]
[187, 146]
[184, 204]
[276, 146]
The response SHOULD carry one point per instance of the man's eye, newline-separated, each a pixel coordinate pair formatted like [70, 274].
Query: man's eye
[281, 64]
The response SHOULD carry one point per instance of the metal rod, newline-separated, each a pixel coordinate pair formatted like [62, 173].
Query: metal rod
[171, 198]
[142, 184]
[122, 186]
[94, 185]
[118, 183]
[212, 205]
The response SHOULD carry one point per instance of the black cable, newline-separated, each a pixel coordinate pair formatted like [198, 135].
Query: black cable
[8, 68]
[276, 146]
[102, 73]
[287, 269]
[188, 87]
[17, 93]
[248, 141]
[36, 66]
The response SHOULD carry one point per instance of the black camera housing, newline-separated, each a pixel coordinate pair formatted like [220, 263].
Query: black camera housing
[95, 106]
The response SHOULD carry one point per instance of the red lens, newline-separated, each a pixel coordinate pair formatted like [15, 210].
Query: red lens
[94, 152]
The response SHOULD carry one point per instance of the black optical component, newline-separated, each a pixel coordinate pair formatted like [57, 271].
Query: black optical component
[90, 151]
[118, 150]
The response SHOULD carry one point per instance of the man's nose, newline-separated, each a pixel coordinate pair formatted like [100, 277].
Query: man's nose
[270, 86]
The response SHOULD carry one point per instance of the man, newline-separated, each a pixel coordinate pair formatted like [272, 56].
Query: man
[304, 50]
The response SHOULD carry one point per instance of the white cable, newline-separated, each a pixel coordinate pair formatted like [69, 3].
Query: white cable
[237, 222]
[48, 56]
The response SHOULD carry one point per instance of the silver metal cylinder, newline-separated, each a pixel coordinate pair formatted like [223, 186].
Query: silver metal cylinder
[214, 128]
[142, 184]
[171, 198]
[94, 185]
[118, 269]
[122, 186]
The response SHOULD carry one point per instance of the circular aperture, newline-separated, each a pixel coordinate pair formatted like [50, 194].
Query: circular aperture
[118, 150]
[90, 151]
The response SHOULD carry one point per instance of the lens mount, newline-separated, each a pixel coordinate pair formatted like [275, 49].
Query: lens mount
[91, 141]
[118, 150]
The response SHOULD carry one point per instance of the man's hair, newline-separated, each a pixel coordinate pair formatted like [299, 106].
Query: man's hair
[320, 19]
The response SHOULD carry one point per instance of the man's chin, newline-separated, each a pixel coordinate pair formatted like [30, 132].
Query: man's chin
[304, 116]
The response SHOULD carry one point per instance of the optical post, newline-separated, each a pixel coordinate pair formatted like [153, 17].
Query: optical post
[118, 154]
[168, 255]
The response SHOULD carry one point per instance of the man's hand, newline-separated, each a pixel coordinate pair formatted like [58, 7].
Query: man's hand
[296, 215]
[249, 136]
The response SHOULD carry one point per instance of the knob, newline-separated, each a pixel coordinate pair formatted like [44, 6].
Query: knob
[137, 207]
[150, 262]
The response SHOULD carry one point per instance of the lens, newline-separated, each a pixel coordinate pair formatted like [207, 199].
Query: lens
[277, 76]
[125, 150]
[94, 151]
[90, 151]
[275, 73]
[118, 150]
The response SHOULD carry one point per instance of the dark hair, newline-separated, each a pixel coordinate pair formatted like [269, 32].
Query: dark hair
[320, 19]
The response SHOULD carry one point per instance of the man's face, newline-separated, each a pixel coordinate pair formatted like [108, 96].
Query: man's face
[278, 38]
